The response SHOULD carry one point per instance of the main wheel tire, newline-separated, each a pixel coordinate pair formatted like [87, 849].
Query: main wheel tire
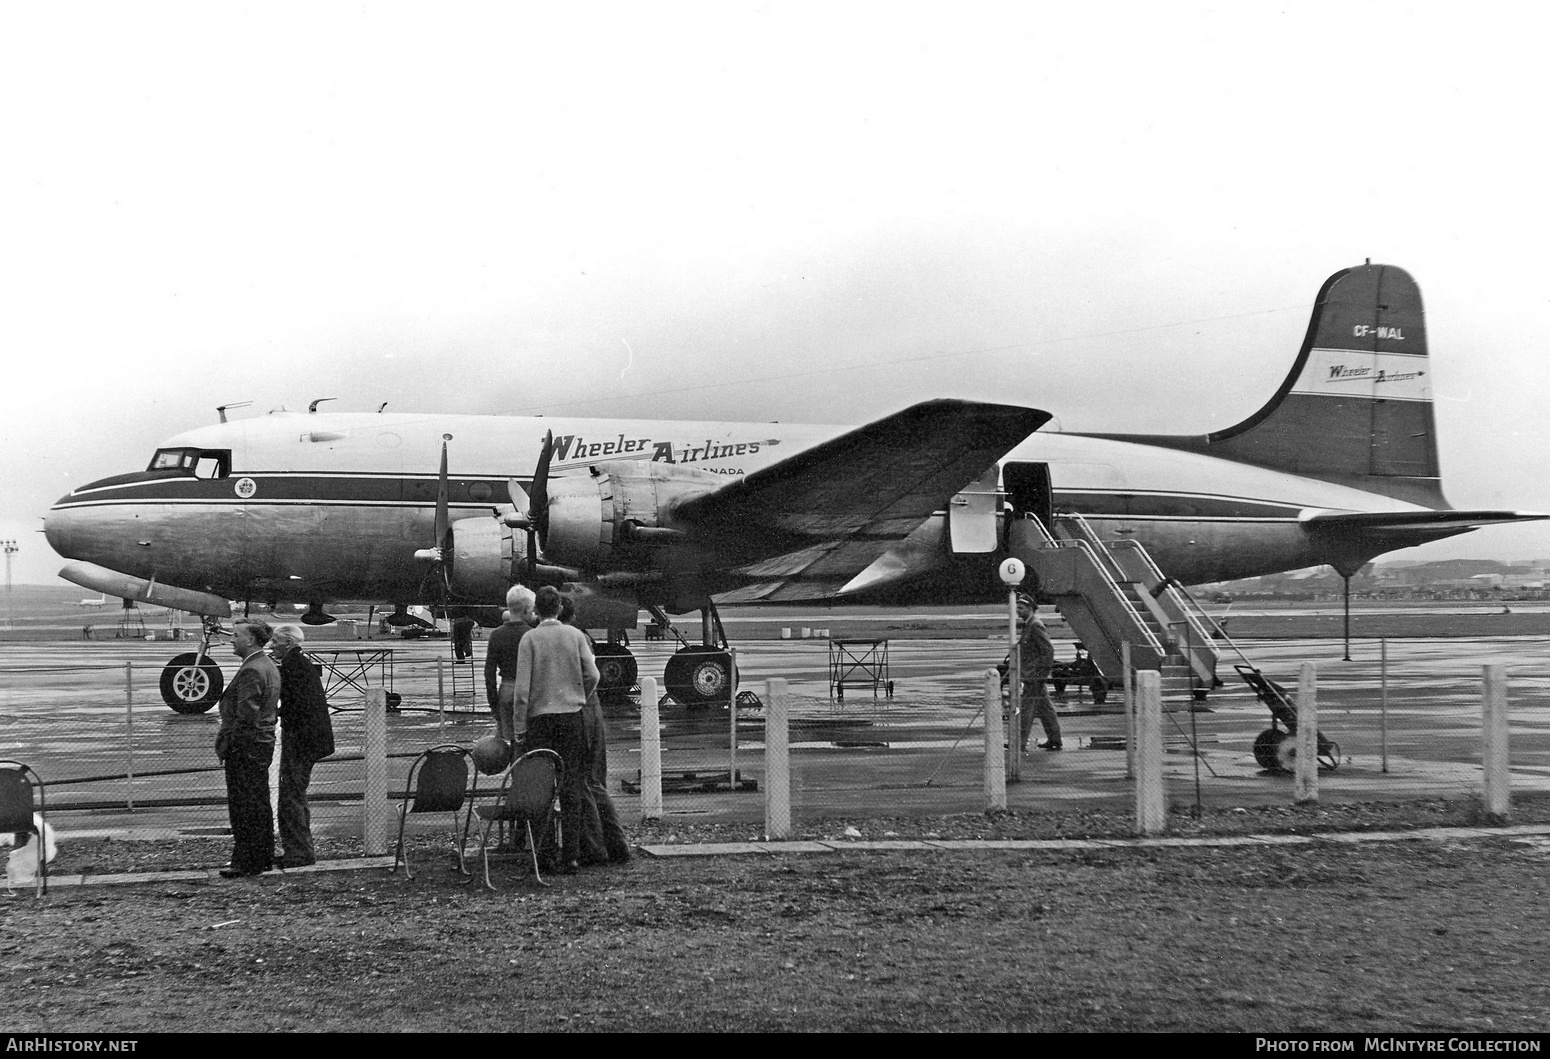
[700, 676]
[189, 687]
[616, 668]
[1275, 750]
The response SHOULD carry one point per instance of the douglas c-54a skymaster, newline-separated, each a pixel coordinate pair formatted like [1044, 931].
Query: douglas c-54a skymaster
[315, 508]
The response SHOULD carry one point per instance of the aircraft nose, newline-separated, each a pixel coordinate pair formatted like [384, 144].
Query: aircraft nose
[62, 528]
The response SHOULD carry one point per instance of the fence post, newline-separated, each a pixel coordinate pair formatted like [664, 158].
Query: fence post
[732, 720]
[1128, 676]
[650, 752]
[1017, 722]
[1497, 784]
[1383, 704]
[1151, 810]
[995, 740]
[374, 796]
[441, 702]
[129, 722]
[1305, 774]
[777, 761]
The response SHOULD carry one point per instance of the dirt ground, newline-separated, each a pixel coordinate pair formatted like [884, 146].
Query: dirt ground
[1412, 935]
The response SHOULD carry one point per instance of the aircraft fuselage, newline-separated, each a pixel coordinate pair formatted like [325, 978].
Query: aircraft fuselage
[311, 507]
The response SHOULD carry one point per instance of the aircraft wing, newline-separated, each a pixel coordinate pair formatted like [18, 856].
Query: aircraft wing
[826, 513]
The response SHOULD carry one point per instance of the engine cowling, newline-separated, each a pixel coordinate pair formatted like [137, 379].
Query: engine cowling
[618, 513]
[486, 558]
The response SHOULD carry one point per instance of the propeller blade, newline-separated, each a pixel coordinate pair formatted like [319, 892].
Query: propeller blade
[540, 500]
[443, 523]
[519, 499]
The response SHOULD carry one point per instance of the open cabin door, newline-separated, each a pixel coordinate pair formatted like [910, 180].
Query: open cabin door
[1029, 491]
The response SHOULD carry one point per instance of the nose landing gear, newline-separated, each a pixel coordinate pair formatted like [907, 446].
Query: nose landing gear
[191, 683]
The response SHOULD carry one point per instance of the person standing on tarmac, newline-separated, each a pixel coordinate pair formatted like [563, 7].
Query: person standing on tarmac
[603, 840]
[244, 745]
[500, 657]
[555, 675]
[306, 737]
[1037, 655]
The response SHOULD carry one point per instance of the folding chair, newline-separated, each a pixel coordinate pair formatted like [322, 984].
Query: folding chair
[19, 815]
[530, 790]
[437, 783]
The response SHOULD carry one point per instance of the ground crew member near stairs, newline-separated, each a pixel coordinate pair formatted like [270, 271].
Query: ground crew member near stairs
[1037, 655]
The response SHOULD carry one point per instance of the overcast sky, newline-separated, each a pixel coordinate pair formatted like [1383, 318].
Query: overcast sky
[1120, 213]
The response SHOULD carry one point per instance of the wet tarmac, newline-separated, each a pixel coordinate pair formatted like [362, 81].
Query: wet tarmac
[87, 714]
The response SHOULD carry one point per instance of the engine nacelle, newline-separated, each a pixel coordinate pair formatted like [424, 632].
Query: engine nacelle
[611, 515]
[486, 558]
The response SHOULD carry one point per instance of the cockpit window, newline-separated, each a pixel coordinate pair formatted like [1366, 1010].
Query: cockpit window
[196, 463]
[166, 460]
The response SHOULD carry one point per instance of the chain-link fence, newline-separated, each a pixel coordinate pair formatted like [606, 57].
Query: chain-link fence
[1406, 716]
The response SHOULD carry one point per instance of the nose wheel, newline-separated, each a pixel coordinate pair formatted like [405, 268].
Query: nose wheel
[191, 684]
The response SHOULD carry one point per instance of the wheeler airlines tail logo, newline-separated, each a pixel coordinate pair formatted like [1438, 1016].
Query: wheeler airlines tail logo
[1353, 372]
[1341, 373]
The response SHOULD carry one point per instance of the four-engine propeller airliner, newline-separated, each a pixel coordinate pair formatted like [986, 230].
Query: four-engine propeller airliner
[315, 508]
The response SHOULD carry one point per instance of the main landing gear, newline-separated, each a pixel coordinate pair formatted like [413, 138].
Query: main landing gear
[702, 675]
[697, 675]
[191, 683]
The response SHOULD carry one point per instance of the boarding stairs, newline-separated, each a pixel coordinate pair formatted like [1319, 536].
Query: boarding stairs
[1111, 593]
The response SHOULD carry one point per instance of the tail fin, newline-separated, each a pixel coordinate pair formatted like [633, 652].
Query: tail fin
[1357, 406]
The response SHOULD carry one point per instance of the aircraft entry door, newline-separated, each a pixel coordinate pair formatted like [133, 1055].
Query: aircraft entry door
[1029, 490]
[971, 516]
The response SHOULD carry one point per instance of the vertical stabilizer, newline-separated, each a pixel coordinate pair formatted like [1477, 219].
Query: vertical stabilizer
[1356, 407]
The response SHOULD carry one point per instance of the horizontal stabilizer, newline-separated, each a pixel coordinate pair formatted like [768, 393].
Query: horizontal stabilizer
[1414, 521]
[1352, 538]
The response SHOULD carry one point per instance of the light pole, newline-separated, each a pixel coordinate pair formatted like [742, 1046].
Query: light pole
[10, 550]
[1012, 571]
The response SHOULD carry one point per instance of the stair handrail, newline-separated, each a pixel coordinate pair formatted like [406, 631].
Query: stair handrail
[1149, 638]
[1208, 626]
[1214, 628]
[1118, 572]
[1184, 602]
[1221, 633]
[1087, 534]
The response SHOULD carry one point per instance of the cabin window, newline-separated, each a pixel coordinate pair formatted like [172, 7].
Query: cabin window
[196, 463]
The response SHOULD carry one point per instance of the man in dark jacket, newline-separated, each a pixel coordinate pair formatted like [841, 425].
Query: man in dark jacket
[307, 736]
[500, 657]
[1038, 655]
[244, 744]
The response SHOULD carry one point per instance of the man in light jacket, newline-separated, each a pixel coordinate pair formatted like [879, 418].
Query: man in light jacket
[555, 674]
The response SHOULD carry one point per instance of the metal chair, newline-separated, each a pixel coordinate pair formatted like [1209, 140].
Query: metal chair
[531, 789]
[19, 814]
[438, 783]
